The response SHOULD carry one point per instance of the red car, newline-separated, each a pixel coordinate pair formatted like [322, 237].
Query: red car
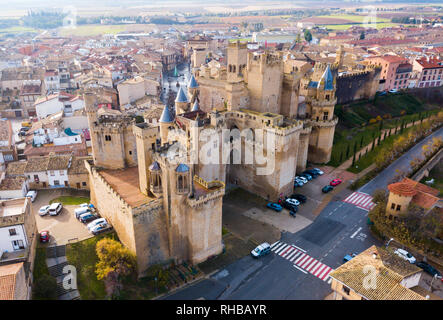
[44, 236]
[335, 182]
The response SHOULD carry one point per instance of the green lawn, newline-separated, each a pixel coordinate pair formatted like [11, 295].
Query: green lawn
[437, 174]
[40, 267]
[18, 29]
[69, 200]
[83, 256]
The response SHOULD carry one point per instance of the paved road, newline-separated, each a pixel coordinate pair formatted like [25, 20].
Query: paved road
[340, 229]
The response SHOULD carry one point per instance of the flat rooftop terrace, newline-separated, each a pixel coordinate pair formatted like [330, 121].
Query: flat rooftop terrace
[126, 183]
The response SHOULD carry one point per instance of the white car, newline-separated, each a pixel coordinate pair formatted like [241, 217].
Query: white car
[55, 208]
[303, 179]
[393, 91]
[79, 211]
[405, 255]
[84, 205]
[100, 228]
[43, 211]
[96, 222]
[32, 194]
[292, 201]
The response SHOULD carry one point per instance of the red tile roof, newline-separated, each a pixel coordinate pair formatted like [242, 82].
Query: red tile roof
[432, 63]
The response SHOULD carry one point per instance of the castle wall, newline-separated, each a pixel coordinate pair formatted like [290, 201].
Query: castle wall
[212, 94]
[141, 230]
[320, 144]
[362, 85]
[302, 155]
[205, 227]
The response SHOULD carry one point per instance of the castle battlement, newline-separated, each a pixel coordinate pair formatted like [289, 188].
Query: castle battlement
[323, 123]
[214, 189]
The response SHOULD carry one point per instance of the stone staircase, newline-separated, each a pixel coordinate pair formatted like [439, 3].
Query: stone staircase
[182, 274]
[56, 261]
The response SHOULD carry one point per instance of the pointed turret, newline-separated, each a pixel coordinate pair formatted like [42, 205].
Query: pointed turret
[165, 121]
[195, 107]
[327, 80]
[192, 83]
[166, 116]
[181, 102]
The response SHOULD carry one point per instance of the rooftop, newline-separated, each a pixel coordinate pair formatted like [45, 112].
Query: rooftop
[8, 274]
[390, 271]
[422, 195]
[126, 183]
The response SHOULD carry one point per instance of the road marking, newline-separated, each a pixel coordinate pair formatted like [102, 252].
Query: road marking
[295, 257]
[355, 233]
[291, 254]
[300, 269]
[301, 257]
[360, 200]
[307, 262]
[299, 248]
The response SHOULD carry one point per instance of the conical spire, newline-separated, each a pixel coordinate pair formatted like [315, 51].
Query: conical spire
[192, 83]
[327, 79]
[166, 116]
[195, 107]
[181, 96]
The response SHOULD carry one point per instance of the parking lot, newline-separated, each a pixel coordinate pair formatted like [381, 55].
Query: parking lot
[63, 228]
[240, 204]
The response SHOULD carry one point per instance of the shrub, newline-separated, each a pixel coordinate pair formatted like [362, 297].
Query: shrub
[45, 288]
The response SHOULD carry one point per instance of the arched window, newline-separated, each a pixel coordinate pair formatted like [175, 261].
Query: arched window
[182, 172]
[155, 180]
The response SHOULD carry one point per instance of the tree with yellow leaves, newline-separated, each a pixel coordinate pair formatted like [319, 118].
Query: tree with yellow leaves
[114, 261]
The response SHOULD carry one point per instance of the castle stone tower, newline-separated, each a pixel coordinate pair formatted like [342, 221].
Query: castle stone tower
[165, 121]
[237, 60]
[322, 101]
[264, 80]
[145, 136]
[339, 56]
[113, 144]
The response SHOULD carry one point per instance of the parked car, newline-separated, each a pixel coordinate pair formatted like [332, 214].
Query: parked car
[393, 91]
[348, 257]
[32, 194]
[261, 250]
[298, 183]
[429, 269]
[79, 211]
[405, 255]
[318, 171]
[306, 176]
[274, 206]
[292, 201]
[314, 174]
[302, 179]
[86, 217]
[100, 228]
[289, 206]
[43, 211]
[26, 124]
[96, 222]
[301, 198]
[55, 208]
[326, 189]
[335, 182]
[44, 236]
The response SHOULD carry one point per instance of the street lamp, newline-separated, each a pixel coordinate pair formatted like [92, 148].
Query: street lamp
[389, 242]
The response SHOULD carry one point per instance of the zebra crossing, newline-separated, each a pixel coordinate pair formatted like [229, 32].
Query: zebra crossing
[302, 260]
[360, 200]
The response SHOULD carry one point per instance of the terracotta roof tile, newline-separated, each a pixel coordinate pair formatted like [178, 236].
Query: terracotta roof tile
[8, 274]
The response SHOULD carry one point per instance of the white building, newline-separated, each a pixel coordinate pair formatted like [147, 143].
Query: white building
[54, 103]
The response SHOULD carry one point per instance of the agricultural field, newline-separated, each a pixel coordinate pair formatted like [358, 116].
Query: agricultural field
[347, 26]
[17, 29]
[92, 30]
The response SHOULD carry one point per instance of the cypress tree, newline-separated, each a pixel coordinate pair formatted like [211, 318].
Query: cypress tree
[361, 142]
[347, 152]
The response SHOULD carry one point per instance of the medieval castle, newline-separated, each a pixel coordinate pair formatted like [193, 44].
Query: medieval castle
[148, 179]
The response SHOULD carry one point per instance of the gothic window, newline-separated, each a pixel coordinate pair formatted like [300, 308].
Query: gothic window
[107, 137]
[393, 206]
[398, 207]
[327, 97]
[325, 115]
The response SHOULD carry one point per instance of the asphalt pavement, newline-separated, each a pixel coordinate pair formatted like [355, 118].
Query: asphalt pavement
[341, 228]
